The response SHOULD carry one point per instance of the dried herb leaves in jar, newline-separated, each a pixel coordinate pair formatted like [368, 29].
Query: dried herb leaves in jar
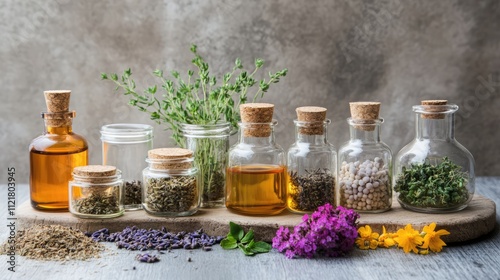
[311, 190]
[171, 194]
[133, 192]
[96, 191]
[443, 185]
[171, 184]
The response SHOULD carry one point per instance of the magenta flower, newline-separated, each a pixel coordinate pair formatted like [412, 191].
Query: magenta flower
[327, 232]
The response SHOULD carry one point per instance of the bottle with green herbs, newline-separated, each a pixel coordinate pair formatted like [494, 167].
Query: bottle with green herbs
[96, 191]
[364, 174]
[434, 173]
[171, 184]
[312, 162]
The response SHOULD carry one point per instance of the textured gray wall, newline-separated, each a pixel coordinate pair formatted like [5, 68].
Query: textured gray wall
[393, 51]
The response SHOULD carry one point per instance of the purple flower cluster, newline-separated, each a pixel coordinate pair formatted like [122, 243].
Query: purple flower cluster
[327, 232]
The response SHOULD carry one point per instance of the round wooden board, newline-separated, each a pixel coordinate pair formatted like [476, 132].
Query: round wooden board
[477, 219]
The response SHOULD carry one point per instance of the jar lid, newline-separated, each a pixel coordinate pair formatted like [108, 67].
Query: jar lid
[170, 158]
[258, 116]
[312, 120]
[127, 133]
[433, 106]
[366, 113]
[94, 171]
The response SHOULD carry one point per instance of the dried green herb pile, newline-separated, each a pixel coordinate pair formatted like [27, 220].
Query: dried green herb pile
[440, 186]
[56, 243]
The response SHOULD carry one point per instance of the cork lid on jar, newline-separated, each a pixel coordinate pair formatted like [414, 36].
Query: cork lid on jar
[257, 117]
[365, 113]
[433, 106]
[170, 158]
[312, 120]
[95, 173]
[57, 102]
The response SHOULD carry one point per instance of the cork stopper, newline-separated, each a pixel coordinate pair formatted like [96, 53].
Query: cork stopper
[259, 116]
[95, 173]
[365, 112]
[313, 118]
[58, 113]
[433, 106]
[57, 100]
[170, 158]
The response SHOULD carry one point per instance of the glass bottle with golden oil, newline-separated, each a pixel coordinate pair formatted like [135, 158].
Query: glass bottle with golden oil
[256, 174]
[54, 154]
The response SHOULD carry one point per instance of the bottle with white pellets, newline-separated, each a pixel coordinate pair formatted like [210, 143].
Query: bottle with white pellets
[364, 173]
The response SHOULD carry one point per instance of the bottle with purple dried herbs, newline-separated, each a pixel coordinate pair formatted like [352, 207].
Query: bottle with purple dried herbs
[312, 162]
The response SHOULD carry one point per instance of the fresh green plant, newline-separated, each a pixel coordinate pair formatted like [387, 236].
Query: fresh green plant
[198, 100]
[236, 238]
[441, 186]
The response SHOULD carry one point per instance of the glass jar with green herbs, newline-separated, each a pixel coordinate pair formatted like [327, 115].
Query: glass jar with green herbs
[171, 184]
[96, 191]
[434, 173]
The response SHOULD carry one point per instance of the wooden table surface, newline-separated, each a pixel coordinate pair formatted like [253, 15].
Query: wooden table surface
[478, 259]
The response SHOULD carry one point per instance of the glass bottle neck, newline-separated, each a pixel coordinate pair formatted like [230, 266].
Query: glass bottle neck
[435, 128]
[365, 135]
[311, 132]
[58, 129]
[257, 134]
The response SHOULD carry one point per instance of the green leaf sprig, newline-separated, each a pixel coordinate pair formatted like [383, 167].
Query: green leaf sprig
[197, 99]
[438, 186]
[236, 238]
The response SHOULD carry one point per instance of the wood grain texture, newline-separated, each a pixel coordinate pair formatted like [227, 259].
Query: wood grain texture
[476, 259]
[476, 220]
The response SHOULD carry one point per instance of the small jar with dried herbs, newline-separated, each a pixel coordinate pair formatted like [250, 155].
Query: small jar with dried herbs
[96, 191]
[312, 162]
[434, 173]
[364, 182]
[171, 184]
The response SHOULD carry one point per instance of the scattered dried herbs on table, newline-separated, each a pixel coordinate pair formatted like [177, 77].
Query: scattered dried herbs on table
[56, 243]
[311, 190]
[441, 186]
[133, 238]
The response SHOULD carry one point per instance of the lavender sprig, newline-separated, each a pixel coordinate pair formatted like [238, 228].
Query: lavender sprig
[133, 238]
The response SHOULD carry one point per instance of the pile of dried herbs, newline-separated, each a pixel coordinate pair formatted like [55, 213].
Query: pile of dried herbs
[439, 186]
[56, 243]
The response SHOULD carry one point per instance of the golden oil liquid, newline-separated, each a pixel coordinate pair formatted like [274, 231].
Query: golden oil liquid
[50, 173]
[256, 189]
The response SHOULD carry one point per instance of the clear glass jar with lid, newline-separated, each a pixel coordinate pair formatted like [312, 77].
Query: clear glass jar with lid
[434, 173]
[171, 183]
[312, 162]
[364, 174]
[96, 191]
[126, 146]
[256, 172]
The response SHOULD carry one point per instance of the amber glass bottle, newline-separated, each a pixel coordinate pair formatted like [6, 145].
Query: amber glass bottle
[54, 154]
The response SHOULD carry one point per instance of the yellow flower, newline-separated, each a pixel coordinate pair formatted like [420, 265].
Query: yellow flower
[408, 239]
[367, 239]
[386, 239]
[432, 239]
